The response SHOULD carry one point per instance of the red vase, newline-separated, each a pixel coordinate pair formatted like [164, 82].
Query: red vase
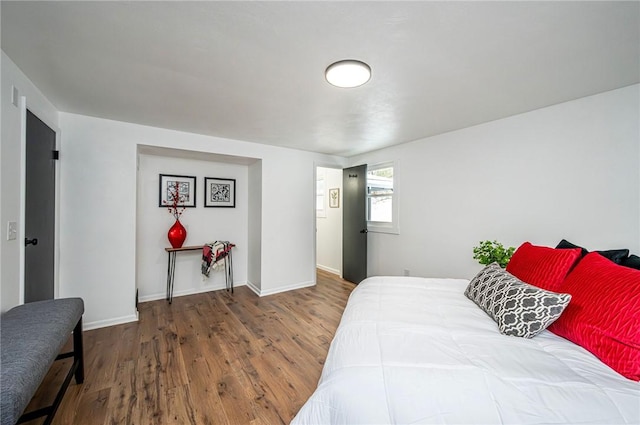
[177, 234]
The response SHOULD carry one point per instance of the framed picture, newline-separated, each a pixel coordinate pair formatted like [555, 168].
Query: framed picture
[219, 193]
[334, 198]
[178, 189]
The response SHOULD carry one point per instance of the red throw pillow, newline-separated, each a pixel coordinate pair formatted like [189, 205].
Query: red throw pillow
[541, 266]
[604, 313]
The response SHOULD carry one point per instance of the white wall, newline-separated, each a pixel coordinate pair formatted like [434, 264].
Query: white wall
[98, 213]
[12, 171]
[329, 227]
[203, 225]
[254, 227]
[567, 171]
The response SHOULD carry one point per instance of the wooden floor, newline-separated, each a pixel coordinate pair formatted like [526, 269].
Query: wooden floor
[212, 358]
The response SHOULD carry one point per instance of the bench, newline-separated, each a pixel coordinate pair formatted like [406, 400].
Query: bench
[32, 336]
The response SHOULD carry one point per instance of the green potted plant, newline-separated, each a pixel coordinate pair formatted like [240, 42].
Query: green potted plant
[492, 251]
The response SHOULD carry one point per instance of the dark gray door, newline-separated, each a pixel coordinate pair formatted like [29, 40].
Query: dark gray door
[354, 223]
[39, 210]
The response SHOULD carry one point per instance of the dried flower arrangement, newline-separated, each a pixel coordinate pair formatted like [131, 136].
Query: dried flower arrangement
[175, 201]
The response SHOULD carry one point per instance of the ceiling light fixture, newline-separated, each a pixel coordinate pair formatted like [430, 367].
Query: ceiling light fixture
[348, 73]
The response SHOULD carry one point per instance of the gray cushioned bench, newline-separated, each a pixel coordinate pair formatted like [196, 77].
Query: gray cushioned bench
[31, 338]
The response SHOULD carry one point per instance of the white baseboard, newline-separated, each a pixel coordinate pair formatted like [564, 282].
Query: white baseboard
[264, 293]
[259, 292]
[329, 269]
[253, 287]
[109, 322]
[163, 295]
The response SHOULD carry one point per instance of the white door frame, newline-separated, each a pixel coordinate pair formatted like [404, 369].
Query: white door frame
[23, 104]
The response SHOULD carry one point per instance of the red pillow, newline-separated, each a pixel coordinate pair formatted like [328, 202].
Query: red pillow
[604, 313]
[541, 266]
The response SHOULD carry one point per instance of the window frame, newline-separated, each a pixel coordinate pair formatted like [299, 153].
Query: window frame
[321, 212]
[392, 227]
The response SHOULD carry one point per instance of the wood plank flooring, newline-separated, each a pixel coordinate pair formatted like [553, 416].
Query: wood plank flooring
[212, 358]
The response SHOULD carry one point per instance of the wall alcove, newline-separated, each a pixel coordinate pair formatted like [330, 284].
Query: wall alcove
[240, 225]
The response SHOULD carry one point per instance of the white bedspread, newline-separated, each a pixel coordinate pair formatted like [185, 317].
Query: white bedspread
[412, 350]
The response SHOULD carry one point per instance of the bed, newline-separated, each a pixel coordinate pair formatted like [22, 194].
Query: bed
[416, 350]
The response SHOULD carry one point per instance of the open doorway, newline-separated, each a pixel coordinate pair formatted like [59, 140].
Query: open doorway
[329, 219]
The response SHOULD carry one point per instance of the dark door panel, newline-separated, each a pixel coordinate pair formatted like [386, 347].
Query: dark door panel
[39, 210]
[354, 233]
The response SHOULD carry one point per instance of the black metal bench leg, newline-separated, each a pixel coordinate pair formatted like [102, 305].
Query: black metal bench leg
[78, 352]
[77, 371]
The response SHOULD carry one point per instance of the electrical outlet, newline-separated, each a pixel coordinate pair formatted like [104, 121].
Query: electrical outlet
[406, 272]
[12, 230]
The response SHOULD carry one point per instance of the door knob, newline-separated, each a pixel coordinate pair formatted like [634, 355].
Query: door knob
[364, 231]
[33, 241]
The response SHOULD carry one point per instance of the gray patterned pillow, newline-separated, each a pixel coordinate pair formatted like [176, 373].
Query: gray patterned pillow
[518, 308]
[487, 288]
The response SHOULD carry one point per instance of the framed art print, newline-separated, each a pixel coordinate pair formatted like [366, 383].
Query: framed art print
[219, 193]
[334, 198]
[177, 190]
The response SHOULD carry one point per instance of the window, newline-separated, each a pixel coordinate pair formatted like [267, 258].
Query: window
[382, 202]
[320, 197]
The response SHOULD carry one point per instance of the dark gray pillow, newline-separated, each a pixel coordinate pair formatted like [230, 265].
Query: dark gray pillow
[518, 308]
[615, 255]
[632, 261]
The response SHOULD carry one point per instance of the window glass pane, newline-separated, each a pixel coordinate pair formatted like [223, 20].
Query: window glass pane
[380, 179]
[380, 209]
[320, 194]
[381, 172]
[380, 194]
[320, 187]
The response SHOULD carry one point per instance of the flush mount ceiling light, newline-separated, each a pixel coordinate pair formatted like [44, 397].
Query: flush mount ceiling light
[348, 73]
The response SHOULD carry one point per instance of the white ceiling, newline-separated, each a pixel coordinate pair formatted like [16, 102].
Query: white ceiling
[254, 71]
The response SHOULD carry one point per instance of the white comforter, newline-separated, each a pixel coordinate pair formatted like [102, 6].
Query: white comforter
[412, 350]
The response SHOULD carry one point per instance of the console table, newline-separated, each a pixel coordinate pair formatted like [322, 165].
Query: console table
[171, 267]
